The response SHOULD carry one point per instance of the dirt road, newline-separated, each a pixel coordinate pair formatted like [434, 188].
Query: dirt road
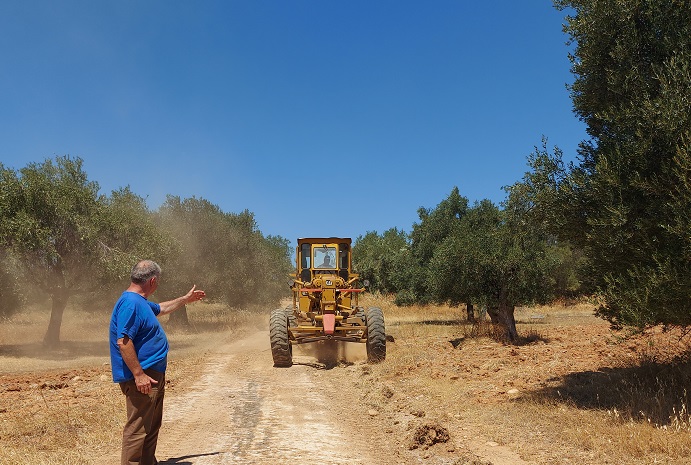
[242, 410]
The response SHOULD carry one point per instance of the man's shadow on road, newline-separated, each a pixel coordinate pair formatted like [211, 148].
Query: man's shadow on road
[183, 460]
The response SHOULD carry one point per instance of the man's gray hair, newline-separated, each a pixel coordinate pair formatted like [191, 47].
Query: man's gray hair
[144, 271]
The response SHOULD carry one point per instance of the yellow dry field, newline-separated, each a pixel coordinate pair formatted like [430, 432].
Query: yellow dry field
[571, 392]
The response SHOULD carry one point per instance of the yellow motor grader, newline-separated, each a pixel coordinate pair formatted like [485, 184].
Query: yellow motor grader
[325, 304]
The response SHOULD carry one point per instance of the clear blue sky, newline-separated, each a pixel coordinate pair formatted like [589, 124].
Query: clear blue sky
[322, 117]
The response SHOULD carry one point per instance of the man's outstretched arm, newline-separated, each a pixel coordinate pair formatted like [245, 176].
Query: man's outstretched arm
[170, 306]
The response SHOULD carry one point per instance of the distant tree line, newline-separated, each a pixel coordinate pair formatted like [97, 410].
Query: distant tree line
[59, 236]
[615, 225]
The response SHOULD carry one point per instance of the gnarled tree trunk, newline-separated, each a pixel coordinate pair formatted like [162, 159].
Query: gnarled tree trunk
[493, 313]
[505, 314]
[59, 301]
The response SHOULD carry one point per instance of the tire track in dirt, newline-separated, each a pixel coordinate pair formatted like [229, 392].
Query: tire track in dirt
[242, 410]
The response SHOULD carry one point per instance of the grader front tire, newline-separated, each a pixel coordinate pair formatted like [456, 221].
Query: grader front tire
[376, 335]
[292, 319]
[281, 350]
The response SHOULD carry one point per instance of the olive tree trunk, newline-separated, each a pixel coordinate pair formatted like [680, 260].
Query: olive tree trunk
[503, 316]
[493, 313]
[59, 302]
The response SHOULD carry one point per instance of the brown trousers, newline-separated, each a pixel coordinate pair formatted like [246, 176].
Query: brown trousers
[144, 418]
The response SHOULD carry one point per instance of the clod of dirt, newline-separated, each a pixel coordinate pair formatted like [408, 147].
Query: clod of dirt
[53, 385]
[427, 435]
[387, 392]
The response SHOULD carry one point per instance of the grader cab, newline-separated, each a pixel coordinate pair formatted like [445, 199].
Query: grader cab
[325, 304]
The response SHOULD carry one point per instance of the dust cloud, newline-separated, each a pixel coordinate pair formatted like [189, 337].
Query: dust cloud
[333, 353]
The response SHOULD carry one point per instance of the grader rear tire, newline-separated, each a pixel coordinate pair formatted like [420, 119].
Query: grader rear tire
[281, 350]
[376, 335]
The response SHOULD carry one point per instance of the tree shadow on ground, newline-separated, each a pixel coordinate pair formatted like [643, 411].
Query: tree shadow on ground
[66, 350]
[499, 335]
[652, 392]
[445, 322]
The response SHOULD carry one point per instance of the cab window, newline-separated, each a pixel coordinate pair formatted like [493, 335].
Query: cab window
[325, 257]
[305, 256]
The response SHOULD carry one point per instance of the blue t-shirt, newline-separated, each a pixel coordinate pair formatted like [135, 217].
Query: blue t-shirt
[135, 317]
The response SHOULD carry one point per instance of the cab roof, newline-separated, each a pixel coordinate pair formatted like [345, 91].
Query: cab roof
[325, 240]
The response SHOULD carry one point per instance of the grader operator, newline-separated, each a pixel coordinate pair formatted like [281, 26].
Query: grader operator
[325, 304]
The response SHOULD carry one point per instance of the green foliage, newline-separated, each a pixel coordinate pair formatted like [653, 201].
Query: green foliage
[459, 270]
[567, 274]
[367, 253]
[494, 258]
[405, 298]
[431, 239]
[483, 255]
[627, 201]
[437, 224]
[68, 239]
[47, 223]
[546, 201]
[387, 262]
[129, 233]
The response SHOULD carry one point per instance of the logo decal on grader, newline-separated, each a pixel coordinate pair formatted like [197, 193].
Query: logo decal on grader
[325, 304]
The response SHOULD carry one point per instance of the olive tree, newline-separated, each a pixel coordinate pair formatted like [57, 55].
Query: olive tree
[66, 238]
[625, 203]
[496, 259]
[48, 223]
[437, 227]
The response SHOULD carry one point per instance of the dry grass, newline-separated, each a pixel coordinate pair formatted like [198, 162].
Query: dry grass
[59, 419]
[570, 391]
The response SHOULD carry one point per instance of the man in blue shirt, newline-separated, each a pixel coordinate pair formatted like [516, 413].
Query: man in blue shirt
[139, 356]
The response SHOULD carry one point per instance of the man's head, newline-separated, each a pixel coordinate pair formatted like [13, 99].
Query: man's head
[144, 271]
